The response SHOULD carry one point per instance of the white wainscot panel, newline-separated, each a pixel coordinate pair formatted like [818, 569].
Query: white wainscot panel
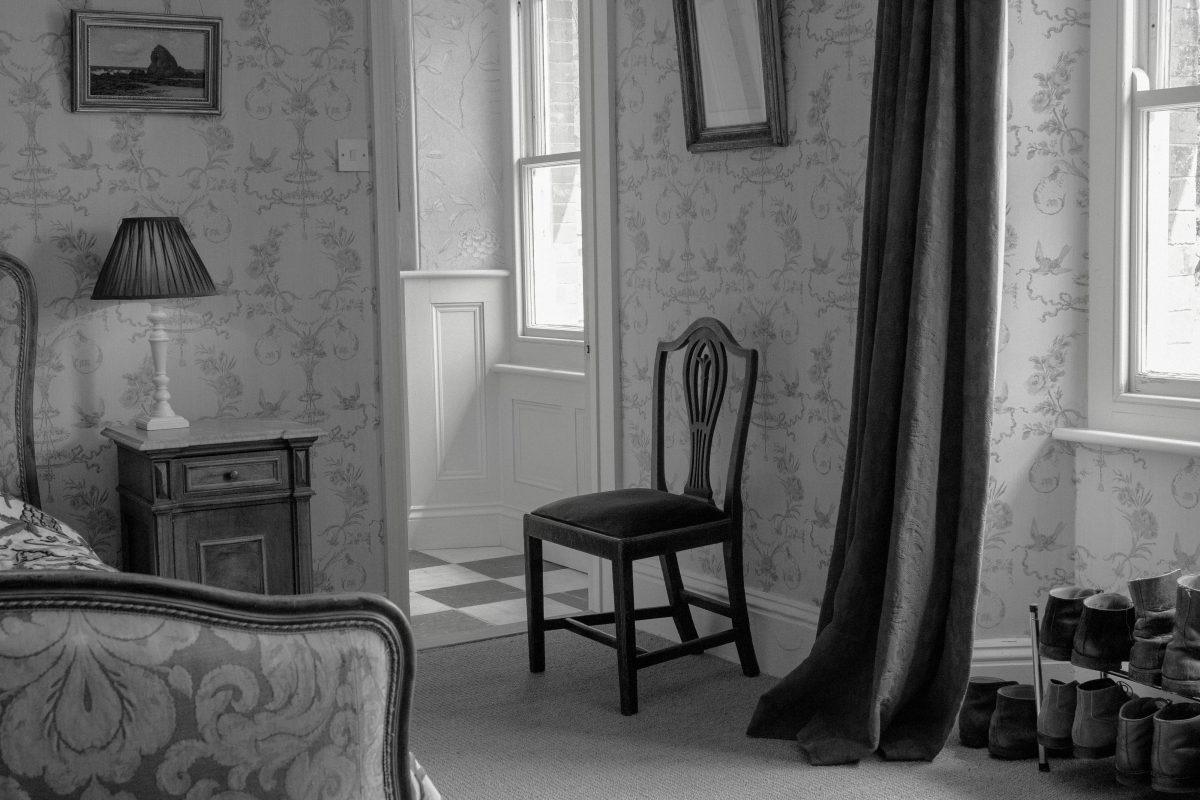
[539, 458]
[460, 374]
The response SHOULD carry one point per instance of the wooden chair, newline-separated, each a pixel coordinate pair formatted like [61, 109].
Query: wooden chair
[628, 524]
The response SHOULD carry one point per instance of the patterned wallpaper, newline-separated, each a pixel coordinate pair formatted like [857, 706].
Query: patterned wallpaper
[463, 148]
[768, 240]
[286, 237]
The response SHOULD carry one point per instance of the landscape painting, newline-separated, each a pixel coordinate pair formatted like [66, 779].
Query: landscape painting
[146, 62]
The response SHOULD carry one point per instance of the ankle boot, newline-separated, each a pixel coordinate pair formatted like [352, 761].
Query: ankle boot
[1181, 662]
[1013, 732]
[1146, 659]
[1094, 730]
[1175, 758]
[1056, 717]
[1061, 618]
[975, 716]
[1135, 739]
[1105, 633]
[1154, 604]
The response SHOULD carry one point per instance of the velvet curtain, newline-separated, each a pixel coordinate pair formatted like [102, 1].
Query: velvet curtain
[893, 647]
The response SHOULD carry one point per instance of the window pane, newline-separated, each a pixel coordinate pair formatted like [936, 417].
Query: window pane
[1183, 42]
[555, 282]
[559, 77]
[1170, 315]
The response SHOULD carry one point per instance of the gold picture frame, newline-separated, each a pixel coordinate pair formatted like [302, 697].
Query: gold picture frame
[145, 63]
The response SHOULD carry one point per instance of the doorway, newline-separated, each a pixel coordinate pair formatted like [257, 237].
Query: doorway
[498, 418]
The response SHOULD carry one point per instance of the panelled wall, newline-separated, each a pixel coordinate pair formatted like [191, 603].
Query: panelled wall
[489, 440]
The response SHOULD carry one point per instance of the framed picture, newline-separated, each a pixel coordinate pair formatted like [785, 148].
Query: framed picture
[145, 63]
[731, 65]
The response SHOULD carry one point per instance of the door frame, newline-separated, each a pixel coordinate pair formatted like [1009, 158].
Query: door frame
[602, 351]
[397, 249]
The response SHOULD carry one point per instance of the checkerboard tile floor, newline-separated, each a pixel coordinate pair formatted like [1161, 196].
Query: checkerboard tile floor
[466, 591]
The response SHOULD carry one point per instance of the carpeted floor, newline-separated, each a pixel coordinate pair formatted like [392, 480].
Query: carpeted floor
[485, 728]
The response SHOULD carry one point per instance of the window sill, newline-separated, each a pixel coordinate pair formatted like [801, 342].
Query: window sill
[1130, 441]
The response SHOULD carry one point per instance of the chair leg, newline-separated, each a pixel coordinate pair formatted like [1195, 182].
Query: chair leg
[682, 612]
[625, 632]
[534, 607]
[736, 581]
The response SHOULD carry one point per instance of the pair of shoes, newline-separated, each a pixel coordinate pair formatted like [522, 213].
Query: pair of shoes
[1135, 739]
[1092, 629]
[1081, 719]
[1181, 660]
[975, 716]
[1159, 743]
[1154, 601]
[1012, 732]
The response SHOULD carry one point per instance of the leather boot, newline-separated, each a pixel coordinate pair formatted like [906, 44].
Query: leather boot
[1097, 703]
[1146, 659]
[1056, 717]
[975, 716]
[1181, 663]
[1135, 739]
[1105, 633]
[1013, 732]
[1154, 604]
[1061, 618]
[1175, 758]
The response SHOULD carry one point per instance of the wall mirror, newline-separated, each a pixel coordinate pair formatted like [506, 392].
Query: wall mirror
[731, 66]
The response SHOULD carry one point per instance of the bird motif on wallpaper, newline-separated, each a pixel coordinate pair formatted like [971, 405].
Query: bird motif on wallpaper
[82, 160]
[1040, 542]
[349, 401]
[89, 419]
[263, 163]
[1184, 560]
[1047, 265]
[268, 409]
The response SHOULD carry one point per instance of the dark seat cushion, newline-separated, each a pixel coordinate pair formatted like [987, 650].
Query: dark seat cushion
[631, 512]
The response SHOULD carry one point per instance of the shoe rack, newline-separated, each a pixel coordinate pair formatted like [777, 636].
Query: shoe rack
[1035, 643]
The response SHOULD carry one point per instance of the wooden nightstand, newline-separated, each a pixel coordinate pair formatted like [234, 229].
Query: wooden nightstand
[224, 502]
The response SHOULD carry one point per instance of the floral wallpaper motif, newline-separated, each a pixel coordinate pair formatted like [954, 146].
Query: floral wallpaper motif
[768, 240]
[460, 51]
[286, 237]
[1137, 515]
[1041, 369]
[765, 239]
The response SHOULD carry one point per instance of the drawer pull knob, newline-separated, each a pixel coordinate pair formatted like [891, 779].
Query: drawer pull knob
[232, 475]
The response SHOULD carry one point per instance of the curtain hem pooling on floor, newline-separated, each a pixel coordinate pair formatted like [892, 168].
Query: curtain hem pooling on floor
[893, 647]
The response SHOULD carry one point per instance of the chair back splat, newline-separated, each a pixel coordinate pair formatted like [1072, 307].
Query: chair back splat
[707, 345]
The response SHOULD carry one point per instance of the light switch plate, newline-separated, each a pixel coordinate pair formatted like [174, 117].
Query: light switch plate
[353, 155]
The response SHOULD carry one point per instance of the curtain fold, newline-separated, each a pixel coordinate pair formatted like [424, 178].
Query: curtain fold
[893, 648]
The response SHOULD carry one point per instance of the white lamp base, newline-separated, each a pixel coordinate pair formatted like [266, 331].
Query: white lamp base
[161, 423]
[162, 416]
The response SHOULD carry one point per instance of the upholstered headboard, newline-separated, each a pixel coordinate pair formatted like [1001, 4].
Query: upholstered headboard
[18, 349]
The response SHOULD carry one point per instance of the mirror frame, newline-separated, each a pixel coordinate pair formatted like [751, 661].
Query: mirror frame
[702, 138]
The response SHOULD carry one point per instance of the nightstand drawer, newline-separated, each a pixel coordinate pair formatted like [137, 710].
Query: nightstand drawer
[242, 473]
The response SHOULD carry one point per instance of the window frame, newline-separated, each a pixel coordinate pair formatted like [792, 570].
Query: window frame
[530, 154]
[1119, 399]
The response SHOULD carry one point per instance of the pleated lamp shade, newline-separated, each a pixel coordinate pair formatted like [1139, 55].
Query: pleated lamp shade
[152, 258]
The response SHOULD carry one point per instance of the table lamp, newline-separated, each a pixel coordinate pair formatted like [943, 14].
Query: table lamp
[153, 259]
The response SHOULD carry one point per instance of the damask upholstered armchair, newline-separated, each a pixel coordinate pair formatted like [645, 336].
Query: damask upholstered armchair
[117, 686]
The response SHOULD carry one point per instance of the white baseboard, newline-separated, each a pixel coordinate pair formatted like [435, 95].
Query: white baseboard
[784, 630]
[480, 525]
[473, 525]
